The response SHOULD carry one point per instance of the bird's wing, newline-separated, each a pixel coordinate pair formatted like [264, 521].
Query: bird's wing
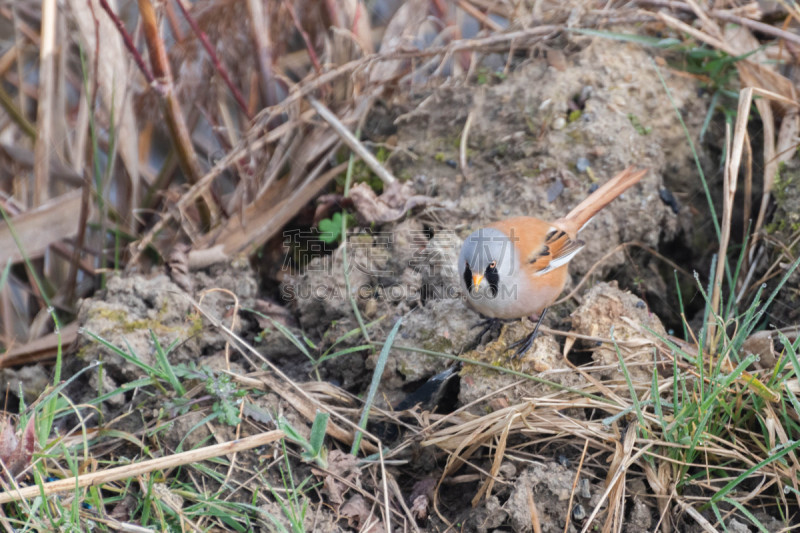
[558, 250]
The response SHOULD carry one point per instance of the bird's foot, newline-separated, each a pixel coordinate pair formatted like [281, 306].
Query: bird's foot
[525, 343]
[489, 325]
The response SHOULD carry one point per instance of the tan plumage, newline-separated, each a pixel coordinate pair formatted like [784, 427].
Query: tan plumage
[528, 257]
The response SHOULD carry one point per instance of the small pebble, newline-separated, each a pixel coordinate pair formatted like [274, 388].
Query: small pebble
[669, 199]
[578, 512]
[554, 191]
[452, 163]
[559, 123]
[370, 308]
[508, 470]
[584, 489]
[582, 164]
[563, 461]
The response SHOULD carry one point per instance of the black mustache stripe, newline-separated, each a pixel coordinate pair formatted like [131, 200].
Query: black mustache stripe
[468, 277]
[493, 277]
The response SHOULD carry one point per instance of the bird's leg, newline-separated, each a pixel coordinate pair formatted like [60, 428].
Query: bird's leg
[488, 324]
[526, 343]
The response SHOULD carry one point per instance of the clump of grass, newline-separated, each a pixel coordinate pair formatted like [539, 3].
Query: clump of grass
[293, 500]
[313, 448]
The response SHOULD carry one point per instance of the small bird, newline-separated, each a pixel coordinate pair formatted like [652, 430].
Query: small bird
[517, 267]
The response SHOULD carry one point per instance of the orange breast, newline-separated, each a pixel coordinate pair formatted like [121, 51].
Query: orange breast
[528, 235]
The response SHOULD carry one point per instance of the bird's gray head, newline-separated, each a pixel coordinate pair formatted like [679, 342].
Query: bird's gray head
[488, 258]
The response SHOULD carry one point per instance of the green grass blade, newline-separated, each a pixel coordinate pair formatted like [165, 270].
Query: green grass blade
[318, 429]
[344, 351]
[353, 304]
[286, 332]
[657, 408]
[729, 309]
[712, 106]
[4, 275]
[631, 389]
[777, 454]
[292, 434]
[742, 509]
[675, 107]
[130, 357]
[166, 367]
[680, 306]
[373, 386]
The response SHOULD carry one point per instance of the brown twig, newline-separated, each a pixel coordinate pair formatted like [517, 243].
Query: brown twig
[7, 103]
[729, 182]
[223, 72]
[136, 469]
[160, 79]
[479, 15]
[126, 37]
[45, 104]
[263, 41]
[462, 149]
[163, 73]
[74, 263]
[353, 143]
[536, 523]
[304, 34]
[172, 109]
[96, 59]
[766, 29]
[305, 403]
[575, 484]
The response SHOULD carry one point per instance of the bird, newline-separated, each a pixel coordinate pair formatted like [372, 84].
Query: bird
[517, 267]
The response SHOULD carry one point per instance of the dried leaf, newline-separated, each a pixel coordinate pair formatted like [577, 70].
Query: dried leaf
[357, 20]
[200, 259]
[396, 200]
[419, 508]
[421, 497]
[399, 34]
[123, 510]
[787, 136]
[40, 349]
[556, 59]
[356, 511]
[8, 440]
[37, 229]
[178, 264]
[16, 453]
[275, 311]
[326, 205]
[358, 515]
[340, 465]
[761, 344]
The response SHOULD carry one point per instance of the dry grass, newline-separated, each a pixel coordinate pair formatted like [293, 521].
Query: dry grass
[128, 133]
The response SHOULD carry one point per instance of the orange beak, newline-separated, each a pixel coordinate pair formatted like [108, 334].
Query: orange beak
[476, 280]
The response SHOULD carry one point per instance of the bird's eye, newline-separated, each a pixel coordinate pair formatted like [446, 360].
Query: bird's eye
[493, 278]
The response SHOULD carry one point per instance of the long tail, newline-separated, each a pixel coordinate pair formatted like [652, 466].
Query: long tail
[578, 217]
